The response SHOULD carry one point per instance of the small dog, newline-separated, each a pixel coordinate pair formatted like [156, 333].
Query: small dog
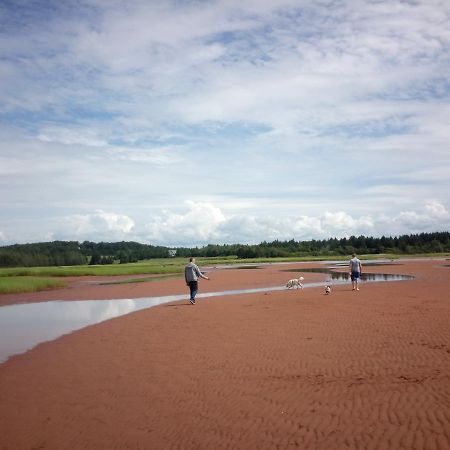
[327, 289]
[295, 282]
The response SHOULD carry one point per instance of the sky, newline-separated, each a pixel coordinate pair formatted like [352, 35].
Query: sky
[188, 122]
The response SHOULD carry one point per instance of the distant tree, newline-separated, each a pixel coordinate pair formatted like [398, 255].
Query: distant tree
[96, 258]
[107, 260]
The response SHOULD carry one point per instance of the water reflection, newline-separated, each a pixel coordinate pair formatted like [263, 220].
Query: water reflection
[26, 325]
[344, 276]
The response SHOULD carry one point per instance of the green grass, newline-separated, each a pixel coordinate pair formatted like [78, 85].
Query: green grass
[15, 285]
[144, 267]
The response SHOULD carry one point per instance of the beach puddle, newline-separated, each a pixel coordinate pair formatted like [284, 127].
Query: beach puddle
[344, 276]
[26, 325]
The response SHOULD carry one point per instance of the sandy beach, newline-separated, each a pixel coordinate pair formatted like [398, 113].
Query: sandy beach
[274, 370]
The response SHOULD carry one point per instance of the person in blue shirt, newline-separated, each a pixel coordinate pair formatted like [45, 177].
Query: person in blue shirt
[191, 274]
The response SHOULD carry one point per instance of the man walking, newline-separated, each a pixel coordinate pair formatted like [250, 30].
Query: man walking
[355, 271]
[192, 274]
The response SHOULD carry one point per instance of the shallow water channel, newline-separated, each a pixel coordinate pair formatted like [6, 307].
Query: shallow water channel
[23, 326]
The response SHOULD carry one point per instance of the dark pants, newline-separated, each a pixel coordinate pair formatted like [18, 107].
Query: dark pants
[193, 287]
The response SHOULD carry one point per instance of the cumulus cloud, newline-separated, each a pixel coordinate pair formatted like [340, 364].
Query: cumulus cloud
[100, 225]
[437, 210]
[203, 223]
[255, 229]
[199, 224]
[341, 223]
[435, 217]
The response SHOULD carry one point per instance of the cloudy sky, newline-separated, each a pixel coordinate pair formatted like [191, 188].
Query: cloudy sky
[190, 122]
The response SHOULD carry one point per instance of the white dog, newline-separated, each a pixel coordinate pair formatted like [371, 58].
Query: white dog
[295, 282]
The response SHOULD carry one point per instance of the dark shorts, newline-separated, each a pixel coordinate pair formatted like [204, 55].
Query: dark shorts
[355, 275]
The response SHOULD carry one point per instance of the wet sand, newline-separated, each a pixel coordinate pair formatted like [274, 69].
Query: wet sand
[287, 369]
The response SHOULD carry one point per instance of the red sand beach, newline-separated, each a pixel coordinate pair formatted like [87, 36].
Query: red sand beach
[274, 370]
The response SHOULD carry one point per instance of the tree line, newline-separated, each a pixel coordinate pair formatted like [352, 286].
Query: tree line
[71, 253]
[68, 253]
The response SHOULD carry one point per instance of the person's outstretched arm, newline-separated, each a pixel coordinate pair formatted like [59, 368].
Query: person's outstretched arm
[199, 273]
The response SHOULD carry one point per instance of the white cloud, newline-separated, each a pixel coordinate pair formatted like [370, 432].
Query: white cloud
[102, 225]
[341, 223]
[254, 229]
[279, 117]
[435, 217]
[199, 224]
[437, 210]
[203, 223]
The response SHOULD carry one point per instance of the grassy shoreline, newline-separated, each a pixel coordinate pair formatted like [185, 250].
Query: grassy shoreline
[17, 285]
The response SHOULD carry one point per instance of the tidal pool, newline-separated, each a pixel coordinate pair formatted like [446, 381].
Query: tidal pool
[344, 276]
[23, 326]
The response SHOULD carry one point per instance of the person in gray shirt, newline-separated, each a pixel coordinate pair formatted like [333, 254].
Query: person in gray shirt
[191, 274]
[355, 270]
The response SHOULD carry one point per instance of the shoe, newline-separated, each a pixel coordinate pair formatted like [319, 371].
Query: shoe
[192, 300]
[357, 289]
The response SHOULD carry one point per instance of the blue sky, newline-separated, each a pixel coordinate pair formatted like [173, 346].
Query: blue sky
[195, 122]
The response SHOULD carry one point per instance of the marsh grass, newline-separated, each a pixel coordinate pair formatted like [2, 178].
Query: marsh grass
[144, 267]
[14, 285]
